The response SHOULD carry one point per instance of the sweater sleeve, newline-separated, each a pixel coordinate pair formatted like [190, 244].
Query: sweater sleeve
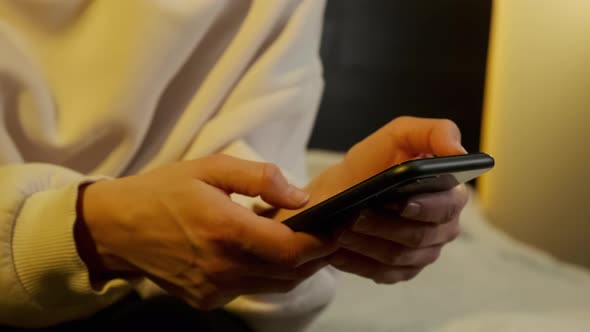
[43, 281]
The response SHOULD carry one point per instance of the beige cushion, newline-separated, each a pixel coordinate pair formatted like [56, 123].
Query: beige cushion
[537, 124]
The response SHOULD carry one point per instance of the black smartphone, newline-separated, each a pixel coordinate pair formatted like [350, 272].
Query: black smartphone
[395, 183]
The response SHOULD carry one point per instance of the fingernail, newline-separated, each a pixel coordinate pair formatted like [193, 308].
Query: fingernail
[362, 223]
[347, 238]
[297, 195]
[461, 148]
[412, 210]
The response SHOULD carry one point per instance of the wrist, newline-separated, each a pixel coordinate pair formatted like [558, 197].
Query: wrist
[90, 230]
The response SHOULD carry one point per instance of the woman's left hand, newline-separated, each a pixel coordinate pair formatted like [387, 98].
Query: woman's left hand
[396, 241]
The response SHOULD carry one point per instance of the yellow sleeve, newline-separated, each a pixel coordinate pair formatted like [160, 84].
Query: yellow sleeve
[43, 281]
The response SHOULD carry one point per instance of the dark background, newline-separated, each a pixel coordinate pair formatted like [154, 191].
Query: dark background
[386, 58]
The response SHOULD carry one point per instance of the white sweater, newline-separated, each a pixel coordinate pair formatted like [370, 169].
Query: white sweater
[108, 88]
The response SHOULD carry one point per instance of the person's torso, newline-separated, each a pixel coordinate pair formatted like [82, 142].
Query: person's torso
[118, 87]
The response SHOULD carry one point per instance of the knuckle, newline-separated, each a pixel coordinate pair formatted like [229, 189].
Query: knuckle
[401, 258]
[216, 270]
[414, 273]
[409, 274]
[413, 258]
[449, 124]
[269, 175]
[228, 235]
[290, 257]
[419, 237]
[454, 233]
[235, 233]
[463, 194]
[452, 213]
[433, 257]
[387, 278]
[227, 239]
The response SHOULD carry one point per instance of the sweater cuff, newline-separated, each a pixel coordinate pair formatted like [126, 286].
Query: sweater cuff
[45, 253]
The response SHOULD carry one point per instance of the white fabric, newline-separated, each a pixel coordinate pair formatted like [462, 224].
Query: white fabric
[109, 88]
[550, 321]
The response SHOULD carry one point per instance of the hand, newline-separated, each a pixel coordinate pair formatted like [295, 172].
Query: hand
[389, 247]
[395, 242]
[178, 226]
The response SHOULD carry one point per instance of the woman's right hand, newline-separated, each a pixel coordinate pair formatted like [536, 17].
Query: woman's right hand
[178, 226]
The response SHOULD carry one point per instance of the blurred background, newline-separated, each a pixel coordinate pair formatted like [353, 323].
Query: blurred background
[385, 58]
[515, 77]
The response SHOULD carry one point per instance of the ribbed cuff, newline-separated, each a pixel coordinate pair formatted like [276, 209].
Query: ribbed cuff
[45, 255]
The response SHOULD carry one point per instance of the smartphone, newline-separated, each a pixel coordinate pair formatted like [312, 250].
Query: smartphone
[394, 184]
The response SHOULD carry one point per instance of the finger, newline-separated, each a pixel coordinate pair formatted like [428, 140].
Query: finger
[250, 178]
[439, 208]
[440, 137]
[351, 262]
[415, 136]
[272, 241]
[422, 156]
[410, 233]
[387, 252]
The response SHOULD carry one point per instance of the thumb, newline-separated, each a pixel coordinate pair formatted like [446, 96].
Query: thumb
[439, 137]
[250, 178]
